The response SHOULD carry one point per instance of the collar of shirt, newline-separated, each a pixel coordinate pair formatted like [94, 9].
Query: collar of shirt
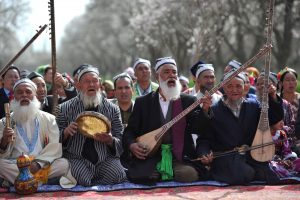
[164, 105]
[235, 109]
[6, 91]
[144, 92]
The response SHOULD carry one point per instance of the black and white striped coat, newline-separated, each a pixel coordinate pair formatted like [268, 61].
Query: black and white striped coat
[73, 146]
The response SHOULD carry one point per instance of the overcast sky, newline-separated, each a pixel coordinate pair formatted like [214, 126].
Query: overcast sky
[65, 11]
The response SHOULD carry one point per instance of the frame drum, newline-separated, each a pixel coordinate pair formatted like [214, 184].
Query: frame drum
[90, 122]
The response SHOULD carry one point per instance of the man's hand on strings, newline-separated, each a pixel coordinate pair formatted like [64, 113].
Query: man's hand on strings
[272, 91]
[206, 102]
[138, 150]
[206, 159]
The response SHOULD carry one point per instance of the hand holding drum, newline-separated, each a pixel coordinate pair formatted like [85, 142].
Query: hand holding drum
[94, 125]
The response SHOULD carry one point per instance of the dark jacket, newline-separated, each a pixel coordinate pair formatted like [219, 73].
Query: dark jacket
[3, 99]
[228, 132]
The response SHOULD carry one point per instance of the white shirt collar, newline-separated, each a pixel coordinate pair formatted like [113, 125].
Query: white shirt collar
[164, 104]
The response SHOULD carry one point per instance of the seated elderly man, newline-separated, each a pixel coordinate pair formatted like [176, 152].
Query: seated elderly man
[94, 160]
[234, 123]
[171, 161]
[32, 132]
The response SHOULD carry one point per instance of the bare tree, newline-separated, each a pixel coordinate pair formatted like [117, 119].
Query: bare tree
[245, 31]
[113, 33]
[100, 37]
[11, 13]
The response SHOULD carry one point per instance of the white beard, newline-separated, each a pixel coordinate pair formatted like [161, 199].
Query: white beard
[23, 114]
[90, 101]
[170, 93]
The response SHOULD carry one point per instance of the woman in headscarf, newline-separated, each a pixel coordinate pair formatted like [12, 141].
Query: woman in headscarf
[288, 85]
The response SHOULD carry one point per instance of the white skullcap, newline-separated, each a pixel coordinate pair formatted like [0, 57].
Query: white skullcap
[122, 75]
[203, 67]
[184, 79]
[272, 77]
[163, 61]
[140, 60]
[25, 80]
[235, 64]
[291, 155]
[240, 75]
[88, 70]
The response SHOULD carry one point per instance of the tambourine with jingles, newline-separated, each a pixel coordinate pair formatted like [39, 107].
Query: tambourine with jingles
[89, 123]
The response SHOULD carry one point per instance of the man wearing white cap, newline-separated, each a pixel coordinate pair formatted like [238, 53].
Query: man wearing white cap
[9, 78]
[233, 64]
[195, 89]
[184, 81]
[233, 124]
[94, 160]
[206, 80]
[123, 91]
[34, 133]
[152, 111]
[142, 71]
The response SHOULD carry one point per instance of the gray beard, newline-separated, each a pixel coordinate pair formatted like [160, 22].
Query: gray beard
[258, 96]
[170, 93]
[90, 101]
[23, 114]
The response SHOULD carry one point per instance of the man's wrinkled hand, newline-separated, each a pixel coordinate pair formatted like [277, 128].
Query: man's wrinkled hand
[139, 150]
[34, 167]
[59, 79]
[272, 90]
[8, 136]
[206, 102]
[70, 130]
[106, 138]
[206, 159]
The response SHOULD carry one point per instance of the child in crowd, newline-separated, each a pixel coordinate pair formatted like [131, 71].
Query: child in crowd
[285, 162]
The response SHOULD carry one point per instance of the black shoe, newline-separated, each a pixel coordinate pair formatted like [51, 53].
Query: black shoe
[53, 181]
[4, 183]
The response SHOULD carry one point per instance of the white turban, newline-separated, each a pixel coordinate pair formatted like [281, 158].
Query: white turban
[184, 79]
[25, 80]
[140, 60]
[235, 64]
[163, 61]
[88, 70]
[203, 67]
[240, 75]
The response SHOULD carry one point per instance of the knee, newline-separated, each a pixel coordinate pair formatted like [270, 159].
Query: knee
[115, 175]
[186, 174]
[61, 166]
[119, 173]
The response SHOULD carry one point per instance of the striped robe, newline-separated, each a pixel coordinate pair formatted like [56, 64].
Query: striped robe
[108, 169]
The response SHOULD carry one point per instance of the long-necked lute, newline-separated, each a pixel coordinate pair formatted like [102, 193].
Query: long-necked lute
[4, 69]
[152, 140]
[263, 132]
[243, 149]
[53, 54]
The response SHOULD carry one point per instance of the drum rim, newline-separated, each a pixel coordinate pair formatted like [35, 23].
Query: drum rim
[98, 116]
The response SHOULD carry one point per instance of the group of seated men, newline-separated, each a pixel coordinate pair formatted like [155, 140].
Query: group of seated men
[60, 153]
